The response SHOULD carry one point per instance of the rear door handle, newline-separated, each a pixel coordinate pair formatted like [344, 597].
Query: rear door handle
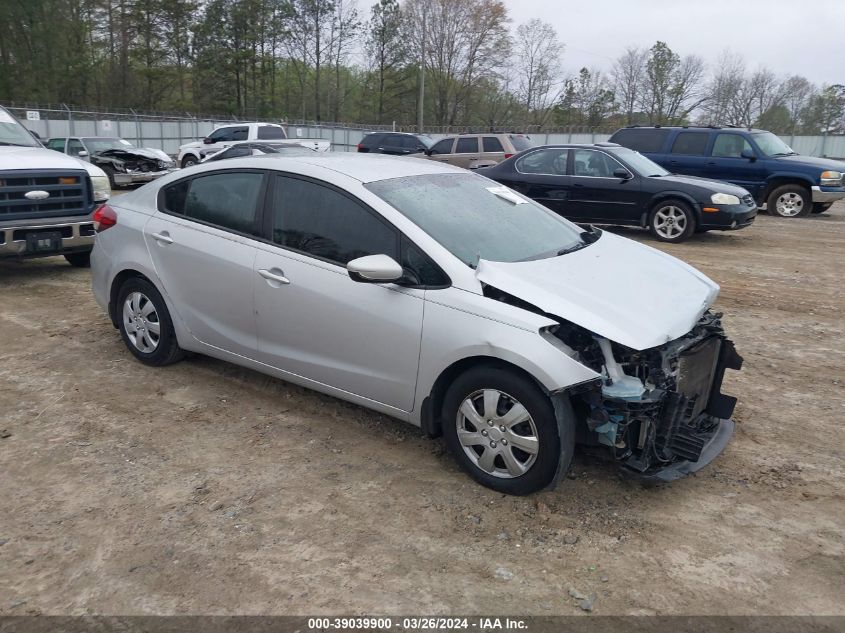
[163, 238]
[274, 275]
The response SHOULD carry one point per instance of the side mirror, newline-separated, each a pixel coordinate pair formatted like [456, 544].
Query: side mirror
[82, 154]
[207, 141]
[622, 173]
[749, 154]
[375, 269]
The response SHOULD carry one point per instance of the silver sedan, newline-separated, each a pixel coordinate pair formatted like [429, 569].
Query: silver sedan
[433, 295]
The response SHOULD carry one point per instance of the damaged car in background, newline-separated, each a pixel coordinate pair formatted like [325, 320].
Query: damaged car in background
[433, 295]
[124, 163]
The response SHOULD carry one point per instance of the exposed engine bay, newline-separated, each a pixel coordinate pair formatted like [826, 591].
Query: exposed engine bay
[133, 164]
[657, 411]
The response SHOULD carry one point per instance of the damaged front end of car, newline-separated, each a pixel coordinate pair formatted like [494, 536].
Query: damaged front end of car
[659, 412]
[134, 166]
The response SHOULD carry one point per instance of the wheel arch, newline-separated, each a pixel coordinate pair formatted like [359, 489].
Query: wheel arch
[778, 180]
[119, 279]
[430, 420]
[665, 196]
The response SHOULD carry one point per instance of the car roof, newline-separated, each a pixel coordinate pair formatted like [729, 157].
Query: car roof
[362, 167]
[703, 128]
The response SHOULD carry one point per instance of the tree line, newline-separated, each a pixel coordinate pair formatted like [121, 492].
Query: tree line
[337, 60]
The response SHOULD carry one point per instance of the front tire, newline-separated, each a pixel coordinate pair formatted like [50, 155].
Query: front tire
[79, 260]
[189, 161]
[145, 324]
[502, 431]
[109, 171]
[790, 201]
[671, 221]
[821, 207]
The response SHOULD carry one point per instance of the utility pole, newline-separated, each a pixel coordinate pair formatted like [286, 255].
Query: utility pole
[421, 105]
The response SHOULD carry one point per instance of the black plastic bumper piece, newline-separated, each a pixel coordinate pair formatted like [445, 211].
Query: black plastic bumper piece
[680, 469]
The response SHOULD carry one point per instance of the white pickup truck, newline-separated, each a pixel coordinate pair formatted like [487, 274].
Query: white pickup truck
[46, 198]
[226, 135]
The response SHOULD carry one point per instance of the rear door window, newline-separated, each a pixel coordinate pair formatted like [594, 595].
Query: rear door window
[228, 200]
[551, 162]
[690, 143]
[641, 140]
[467, 146]
[730, 146]
[491, 144]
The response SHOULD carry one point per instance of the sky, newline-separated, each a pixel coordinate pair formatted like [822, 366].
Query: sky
[804, 37]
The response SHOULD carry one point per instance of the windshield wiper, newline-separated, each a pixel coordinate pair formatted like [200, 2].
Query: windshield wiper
[786, 154]
[15, 144]
[587, 238]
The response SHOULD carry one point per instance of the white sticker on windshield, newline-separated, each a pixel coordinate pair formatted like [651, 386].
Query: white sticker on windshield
[507, 194]
[5, 117]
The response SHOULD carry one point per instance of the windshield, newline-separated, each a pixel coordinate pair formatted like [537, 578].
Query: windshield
[639, 163]
[771, 145]
[13, 133]
[476, 218]
[96, 145]
[425, 139]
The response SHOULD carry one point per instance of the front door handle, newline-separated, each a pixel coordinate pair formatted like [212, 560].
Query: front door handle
[274, 275]
[163, 238]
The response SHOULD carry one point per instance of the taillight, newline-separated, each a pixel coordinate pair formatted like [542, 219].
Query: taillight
[360, 146]
[104, 217]
[507, 156]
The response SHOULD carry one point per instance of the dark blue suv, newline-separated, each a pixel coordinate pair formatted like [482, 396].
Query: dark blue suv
[787, 183]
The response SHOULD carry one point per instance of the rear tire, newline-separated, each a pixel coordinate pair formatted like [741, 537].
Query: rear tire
[145, 324]
[79, 260]
[502, 431]
[671, 221]
[790, 201]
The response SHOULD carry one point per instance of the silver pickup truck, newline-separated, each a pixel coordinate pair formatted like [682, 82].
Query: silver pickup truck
[46, 198]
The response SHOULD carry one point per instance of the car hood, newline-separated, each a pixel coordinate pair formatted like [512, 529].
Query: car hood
[131, 152]
[811, 161]
[14, 157]
[191, 145]
[617, 288]
[705, 184]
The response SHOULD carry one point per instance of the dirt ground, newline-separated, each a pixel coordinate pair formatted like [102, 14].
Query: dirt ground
[206, 488]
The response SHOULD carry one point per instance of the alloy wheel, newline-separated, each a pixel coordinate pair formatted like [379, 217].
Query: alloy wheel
[670, 222]
[141, 322]
[497, 433]
[789, 204]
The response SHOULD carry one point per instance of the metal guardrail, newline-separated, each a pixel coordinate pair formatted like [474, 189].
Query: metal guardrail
[168, 130]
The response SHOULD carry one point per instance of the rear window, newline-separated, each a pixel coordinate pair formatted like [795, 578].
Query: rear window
[690, 143]
[642, 140]
[520, 142]
[270, 132]
[228, 200]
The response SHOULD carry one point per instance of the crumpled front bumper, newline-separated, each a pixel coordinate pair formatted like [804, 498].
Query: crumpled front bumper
[137, 177]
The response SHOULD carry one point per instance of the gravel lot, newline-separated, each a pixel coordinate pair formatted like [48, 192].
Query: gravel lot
[206, 488]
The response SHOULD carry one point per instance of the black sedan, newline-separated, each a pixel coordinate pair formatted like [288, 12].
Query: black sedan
[606, 183]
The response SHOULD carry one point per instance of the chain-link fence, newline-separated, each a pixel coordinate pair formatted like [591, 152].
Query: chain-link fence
[168, 130]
